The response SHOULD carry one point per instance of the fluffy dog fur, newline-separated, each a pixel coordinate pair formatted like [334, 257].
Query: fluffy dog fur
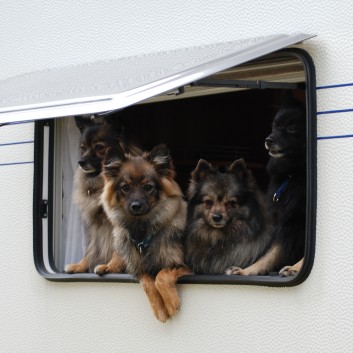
[148, 213]
[227, 222]
[286, 195]
[97, 135]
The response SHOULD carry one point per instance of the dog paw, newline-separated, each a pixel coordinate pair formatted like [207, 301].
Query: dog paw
[172, 305]
[165, 283]
[74, 268]
[69, 268]
[234, 270]
[170, 297]
[101, 269]
[288, 271]
[161, 314]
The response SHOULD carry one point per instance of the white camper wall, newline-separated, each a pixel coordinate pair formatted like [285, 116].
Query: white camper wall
[42, 316]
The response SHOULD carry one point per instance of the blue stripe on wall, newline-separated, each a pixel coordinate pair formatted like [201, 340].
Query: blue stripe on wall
[15, 143]
[335, 111]
[338, 110]
[16, 123]
[15, 163]
[335, 86]
[334, 137]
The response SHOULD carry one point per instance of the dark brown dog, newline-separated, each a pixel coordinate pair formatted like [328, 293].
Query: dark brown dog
[148, 213]
[227, 221]
[97, 135]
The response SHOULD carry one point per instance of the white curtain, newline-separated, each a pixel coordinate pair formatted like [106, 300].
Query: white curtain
[72, 239]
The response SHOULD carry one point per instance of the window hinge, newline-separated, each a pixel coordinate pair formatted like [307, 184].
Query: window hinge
[177, 92]
[44, 208]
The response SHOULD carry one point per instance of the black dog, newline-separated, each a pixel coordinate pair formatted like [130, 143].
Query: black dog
[286, 195]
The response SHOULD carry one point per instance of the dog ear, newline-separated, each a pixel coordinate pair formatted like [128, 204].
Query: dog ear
[82, 122]
[287, 99]
[202, 169]
[239, 169]
[113, 160]
[161, 159]
[116, 121]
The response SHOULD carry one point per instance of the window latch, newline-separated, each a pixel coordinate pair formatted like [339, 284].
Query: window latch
[44, 209]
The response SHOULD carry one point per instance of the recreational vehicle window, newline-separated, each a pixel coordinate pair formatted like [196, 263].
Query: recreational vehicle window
[220, 118]
[214, 106]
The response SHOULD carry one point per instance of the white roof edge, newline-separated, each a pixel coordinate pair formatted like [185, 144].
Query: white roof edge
[99, 103]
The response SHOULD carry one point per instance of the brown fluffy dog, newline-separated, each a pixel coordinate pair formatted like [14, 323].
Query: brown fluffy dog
[148, 213]
[97, 135]
[228, 226]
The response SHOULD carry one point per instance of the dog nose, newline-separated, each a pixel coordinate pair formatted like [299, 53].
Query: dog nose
[217, 217]
[136, 206]
[81, 163]
[269, 141]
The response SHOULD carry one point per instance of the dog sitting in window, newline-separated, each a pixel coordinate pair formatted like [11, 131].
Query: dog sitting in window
[286, 195]
[227, 224]
[148, 213]
[97, 135]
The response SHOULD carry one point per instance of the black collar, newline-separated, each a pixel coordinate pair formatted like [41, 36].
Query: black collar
[142, 245]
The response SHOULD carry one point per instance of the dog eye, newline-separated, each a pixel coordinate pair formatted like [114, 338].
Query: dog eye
[147, 187]
[208, 203]
[99, 147]
[231, 203]
[125, 187]
[291, 128]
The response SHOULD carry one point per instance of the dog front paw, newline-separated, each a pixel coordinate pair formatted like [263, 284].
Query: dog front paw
[79, 267]
[75, 268]
[288, 271]
[234, 270]
[101, 269]
[161, 313]
[172, 305]
[170, 297]
[165, 283]
[291, 270]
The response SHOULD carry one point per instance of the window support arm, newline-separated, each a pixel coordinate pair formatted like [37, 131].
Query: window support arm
[258, 84]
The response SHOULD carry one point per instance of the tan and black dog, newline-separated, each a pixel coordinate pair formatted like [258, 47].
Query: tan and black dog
[148, 213]
[97, 135]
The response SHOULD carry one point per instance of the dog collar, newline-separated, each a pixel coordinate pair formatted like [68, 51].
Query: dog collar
[280, 190]
[143, 244]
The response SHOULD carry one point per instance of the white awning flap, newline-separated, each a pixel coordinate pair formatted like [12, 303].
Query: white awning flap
[117, 83]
